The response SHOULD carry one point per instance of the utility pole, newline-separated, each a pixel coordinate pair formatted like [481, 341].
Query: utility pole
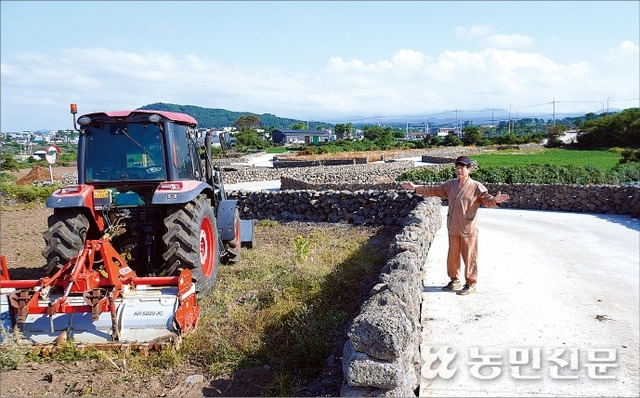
[608, 105]
[554, 111]
[457, 128]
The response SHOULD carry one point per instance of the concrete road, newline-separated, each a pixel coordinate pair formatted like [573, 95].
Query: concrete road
[556, 311]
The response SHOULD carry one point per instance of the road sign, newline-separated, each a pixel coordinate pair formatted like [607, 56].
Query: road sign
[52, 154]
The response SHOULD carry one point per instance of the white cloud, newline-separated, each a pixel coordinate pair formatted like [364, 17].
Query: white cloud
[475, 31]
[488, 35]
[624, 53]
[509, 41]
[37, 88]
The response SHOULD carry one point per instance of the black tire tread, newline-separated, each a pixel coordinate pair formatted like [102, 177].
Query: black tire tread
[65, 237]
[182, 241]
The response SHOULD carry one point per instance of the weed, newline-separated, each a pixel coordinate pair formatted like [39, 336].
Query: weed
[302, 246]
[13, 350]
[70, 352]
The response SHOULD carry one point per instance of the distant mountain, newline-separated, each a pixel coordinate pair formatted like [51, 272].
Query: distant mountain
[449, 118]
[219, 118]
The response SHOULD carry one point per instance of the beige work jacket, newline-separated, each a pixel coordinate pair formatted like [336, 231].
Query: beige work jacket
[463, 204]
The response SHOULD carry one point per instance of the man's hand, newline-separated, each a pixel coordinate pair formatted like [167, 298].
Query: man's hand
[408, 185]
[501, 197]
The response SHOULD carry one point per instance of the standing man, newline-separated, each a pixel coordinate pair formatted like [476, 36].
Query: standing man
[465, 196]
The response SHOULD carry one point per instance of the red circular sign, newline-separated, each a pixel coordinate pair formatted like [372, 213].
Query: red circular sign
[52, 153]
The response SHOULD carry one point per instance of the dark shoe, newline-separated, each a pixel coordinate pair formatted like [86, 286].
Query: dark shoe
[467, 289]
[452, 285]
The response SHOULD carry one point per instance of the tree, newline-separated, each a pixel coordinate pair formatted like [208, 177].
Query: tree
[246, 139]
[348, 130]
[553, 135]
[432, 140]
[452, 140]
[299, 126]
[7, 162]
[617, 130]
[375, 132]
[472, 135]
[343, 131]
[247, 122]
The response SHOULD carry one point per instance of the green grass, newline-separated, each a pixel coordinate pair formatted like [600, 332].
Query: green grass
[277, 150]
[605, 160]
[286, 303]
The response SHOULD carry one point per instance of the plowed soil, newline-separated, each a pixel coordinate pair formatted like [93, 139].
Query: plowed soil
[21, 243]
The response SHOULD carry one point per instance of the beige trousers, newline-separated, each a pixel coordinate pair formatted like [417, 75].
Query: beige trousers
[467, 249]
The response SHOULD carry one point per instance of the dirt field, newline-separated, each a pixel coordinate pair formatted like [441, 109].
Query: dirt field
[21, 242]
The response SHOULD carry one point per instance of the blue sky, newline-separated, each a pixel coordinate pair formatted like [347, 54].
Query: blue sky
[327, 61]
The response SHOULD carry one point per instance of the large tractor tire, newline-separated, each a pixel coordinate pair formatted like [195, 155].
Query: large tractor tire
[191, 242]
[65, 237]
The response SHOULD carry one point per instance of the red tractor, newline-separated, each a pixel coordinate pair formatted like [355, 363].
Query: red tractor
[149, 206]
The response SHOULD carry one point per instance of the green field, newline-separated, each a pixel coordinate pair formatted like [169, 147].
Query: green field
[605, 160]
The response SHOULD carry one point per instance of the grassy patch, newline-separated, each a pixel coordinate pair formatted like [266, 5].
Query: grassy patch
[605, 160]
[277, 150]
[287, 302]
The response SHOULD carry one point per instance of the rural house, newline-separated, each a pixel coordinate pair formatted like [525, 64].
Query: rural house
[286, 137]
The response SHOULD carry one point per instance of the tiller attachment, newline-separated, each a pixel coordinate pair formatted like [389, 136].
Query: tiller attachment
[97, 299]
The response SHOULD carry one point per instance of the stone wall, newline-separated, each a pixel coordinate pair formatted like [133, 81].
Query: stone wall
[361, 173]
[358, 207]
[381, 356]
[284, 161]
[608, 199]
[354, 173]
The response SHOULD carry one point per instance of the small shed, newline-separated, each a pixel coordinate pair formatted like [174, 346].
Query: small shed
[287, 137]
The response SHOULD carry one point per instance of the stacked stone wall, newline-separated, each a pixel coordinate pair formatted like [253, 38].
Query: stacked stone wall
[607, 199]
[381, 356]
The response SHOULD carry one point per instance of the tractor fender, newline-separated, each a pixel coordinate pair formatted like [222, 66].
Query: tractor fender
[177, 192]
[226, 219]
[77, 196]
[72, 196]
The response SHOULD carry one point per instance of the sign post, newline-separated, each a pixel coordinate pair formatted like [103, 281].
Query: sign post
[51, 155]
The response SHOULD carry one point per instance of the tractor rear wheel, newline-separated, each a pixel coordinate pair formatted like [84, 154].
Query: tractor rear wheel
[64, 238]
[191, 242]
